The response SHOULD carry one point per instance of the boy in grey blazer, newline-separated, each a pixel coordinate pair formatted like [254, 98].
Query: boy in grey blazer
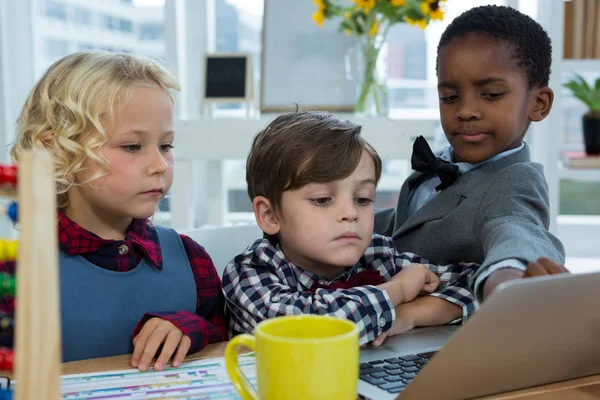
[493, 68]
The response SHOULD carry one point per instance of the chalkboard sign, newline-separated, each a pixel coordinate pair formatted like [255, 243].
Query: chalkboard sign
[227, 77]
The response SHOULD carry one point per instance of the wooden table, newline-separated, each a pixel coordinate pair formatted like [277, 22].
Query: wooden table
[577, 389]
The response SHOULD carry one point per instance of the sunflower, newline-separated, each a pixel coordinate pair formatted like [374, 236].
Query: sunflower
[421, 23]
[398, 3]
[433, 9]
[366, 5]
[319, 15]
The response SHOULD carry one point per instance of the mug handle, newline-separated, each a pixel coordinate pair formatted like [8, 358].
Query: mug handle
[238, 379]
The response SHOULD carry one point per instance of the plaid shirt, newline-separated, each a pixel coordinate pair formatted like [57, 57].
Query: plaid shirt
[206, 325]
[261, 283]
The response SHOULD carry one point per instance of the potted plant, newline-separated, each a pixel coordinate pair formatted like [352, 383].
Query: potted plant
[590, 96]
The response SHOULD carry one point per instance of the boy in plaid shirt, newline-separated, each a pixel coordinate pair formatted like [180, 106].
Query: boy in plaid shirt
[312, 181]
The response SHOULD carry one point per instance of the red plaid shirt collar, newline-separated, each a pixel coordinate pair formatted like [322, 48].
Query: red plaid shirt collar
[141, 237]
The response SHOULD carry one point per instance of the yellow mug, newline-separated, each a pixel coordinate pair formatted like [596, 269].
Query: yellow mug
[299, 357]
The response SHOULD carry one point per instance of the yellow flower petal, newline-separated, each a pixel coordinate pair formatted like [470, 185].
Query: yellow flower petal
[347, 15]
[421, 23]
[319, 17]
[425, 9]
[365, 5]
[437, 15]
[433, 9]
[348, 32]
[374, 28]
[398, 3]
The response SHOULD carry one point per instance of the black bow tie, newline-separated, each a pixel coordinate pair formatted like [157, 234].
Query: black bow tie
[423, 160]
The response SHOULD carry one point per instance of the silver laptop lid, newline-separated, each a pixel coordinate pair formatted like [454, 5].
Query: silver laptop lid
[528, 333]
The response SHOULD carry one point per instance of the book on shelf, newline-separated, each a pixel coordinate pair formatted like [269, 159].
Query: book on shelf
[581, 29]
[580, 159]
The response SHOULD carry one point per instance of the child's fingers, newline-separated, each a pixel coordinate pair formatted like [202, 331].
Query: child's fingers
[428, 288]
[535, 269]
[157, 337]
[182, 350]
[551, 266]
[168, 348]
[380, 339]
[433, 281]
[139, 342]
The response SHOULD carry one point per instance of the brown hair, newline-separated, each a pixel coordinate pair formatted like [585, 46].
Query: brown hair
[303, 147]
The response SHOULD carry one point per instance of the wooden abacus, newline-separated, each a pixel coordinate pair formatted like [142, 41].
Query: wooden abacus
[37, 329]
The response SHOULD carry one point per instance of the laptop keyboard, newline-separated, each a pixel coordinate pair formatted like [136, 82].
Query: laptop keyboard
[393, 374]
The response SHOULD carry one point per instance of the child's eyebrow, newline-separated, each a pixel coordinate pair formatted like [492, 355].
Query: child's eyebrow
[477, 82]
[365, 182]
[489, 79]
[144, 133]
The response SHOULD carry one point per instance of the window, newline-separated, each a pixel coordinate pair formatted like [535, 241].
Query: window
[107, 22]
[57, 48]
[151, 32]
[56, 10]
[125, 25]
[54, 42]
[82, 16]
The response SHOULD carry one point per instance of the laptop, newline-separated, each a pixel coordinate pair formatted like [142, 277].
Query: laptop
[529, 332]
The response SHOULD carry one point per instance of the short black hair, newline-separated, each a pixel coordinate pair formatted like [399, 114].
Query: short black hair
[532, 46]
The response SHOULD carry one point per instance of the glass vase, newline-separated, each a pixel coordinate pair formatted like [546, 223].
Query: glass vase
[366, 64]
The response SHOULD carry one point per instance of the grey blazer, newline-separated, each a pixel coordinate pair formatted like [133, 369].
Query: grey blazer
[493, 213]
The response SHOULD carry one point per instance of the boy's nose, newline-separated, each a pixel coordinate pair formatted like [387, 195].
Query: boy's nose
[348, 211]
[468, 111]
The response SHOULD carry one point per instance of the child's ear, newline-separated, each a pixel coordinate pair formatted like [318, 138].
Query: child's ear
[542, 103]
[265, 215]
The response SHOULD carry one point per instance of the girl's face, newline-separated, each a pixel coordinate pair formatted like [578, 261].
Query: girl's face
[139, 167]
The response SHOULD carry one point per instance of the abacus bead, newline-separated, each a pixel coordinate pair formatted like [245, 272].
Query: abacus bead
[11, 174]
[6, 359]
[13, 211]
[8, 285]
[8, 250]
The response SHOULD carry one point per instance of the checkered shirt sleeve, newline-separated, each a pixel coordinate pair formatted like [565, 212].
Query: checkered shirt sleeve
[260, 284]
[454, 282]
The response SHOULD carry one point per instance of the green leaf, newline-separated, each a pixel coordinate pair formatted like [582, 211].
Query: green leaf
[387, 10]
[346, 25]
[583, 91]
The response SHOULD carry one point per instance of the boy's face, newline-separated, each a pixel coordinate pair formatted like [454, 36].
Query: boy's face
[485, 105]
[139, 171]
[326, 227]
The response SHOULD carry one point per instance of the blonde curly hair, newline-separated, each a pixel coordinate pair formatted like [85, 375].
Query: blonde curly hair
[68, 108]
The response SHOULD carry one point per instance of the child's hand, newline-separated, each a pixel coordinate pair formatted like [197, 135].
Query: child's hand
[404, 322]
[416, 279]
[155, 333]
[544, 266]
